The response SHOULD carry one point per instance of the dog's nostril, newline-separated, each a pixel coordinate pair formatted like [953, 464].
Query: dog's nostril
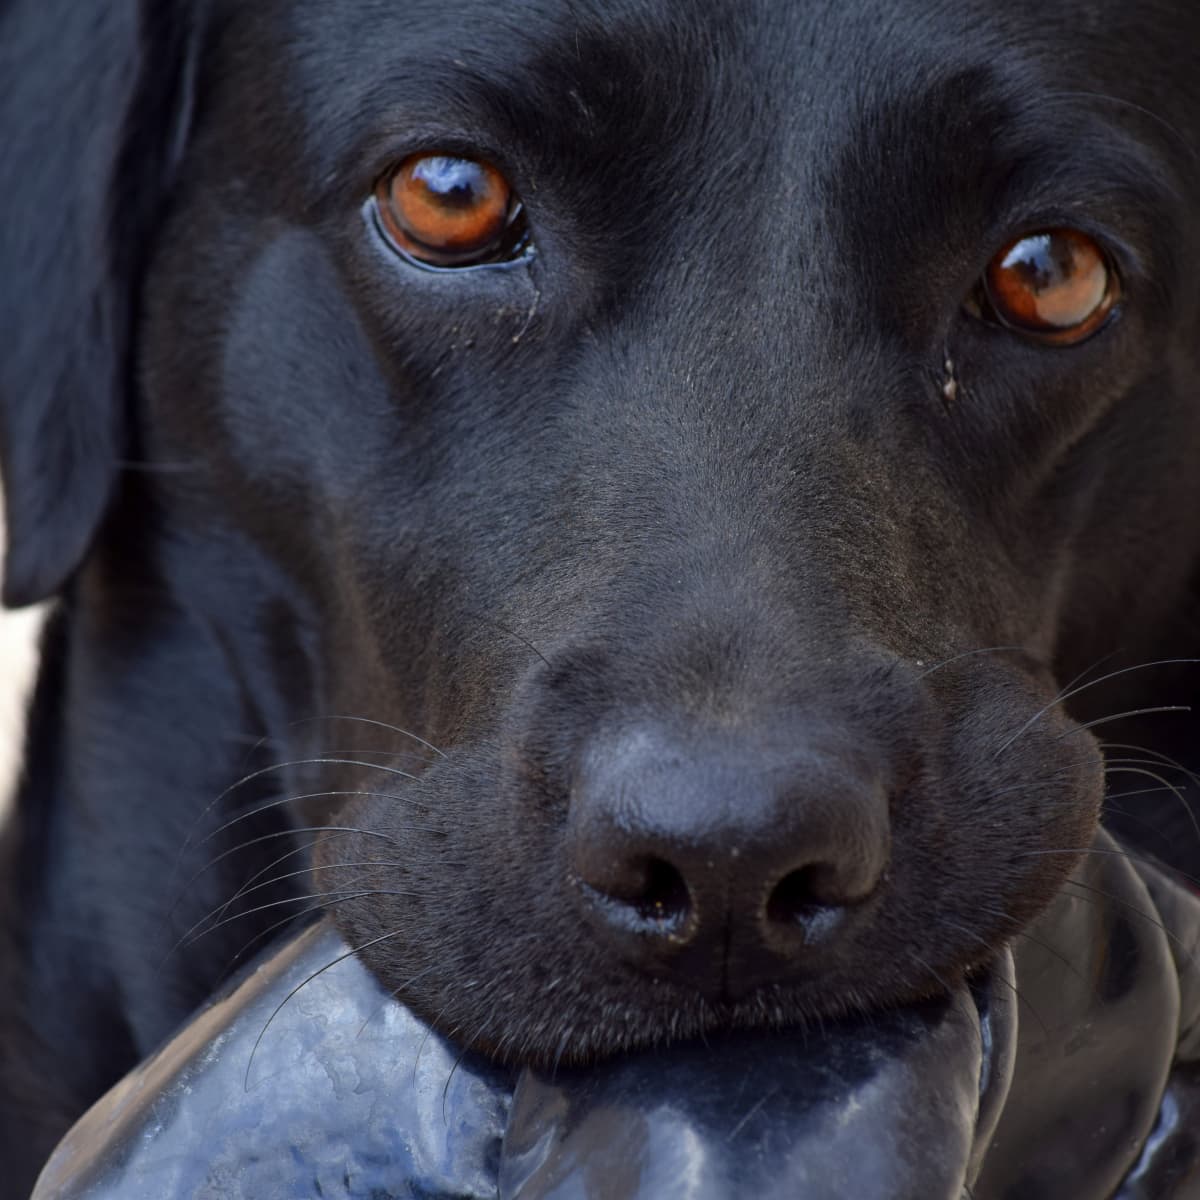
[664, 896]
[802, 896]
[645, 893]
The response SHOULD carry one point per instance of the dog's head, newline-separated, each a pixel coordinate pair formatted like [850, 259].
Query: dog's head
[713, 432]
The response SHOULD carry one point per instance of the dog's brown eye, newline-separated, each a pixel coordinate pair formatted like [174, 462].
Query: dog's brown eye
[1056, 286]
[450, 212]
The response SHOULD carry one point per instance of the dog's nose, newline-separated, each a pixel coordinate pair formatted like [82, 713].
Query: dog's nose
[723, 862]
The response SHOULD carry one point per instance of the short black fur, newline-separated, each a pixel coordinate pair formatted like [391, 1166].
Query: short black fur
[716, 531]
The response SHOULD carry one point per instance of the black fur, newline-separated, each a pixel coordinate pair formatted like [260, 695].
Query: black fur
[724, 485]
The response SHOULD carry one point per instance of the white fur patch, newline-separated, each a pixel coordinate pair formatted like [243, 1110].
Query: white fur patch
[18, 657]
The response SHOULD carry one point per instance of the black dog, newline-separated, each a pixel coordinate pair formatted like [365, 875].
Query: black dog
[716, 432]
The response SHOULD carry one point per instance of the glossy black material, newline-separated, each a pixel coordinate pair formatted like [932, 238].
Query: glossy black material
[882, 1110]
[347, 1095]
[335, 1089]
[1169, 1165]
[1099, 1022]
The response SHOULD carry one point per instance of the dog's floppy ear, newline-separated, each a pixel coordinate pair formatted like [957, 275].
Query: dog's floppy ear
[94, 106]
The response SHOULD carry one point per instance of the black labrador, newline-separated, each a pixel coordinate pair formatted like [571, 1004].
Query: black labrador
[656, 515]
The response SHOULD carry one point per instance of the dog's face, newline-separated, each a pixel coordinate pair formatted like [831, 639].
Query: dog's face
[716, 432]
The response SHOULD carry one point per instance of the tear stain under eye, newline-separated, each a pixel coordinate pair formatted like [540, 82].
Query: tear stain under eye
[529, 316]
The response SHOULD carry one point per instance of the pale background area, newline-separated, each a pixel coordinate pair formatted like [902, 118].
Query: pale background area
[18, 633]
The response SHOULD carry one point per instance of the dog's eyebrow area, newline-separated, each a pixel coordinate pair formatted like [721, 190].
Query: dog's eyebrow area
[591, 88]
[967, 165]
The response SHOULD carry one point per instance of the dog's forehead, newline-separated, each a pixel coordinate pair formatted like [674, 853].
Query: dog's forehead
[800, 76]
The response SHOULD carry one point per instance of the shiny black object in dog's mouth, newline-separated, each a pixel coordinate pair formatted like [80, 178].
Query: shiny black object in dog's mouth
[308, 1061]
